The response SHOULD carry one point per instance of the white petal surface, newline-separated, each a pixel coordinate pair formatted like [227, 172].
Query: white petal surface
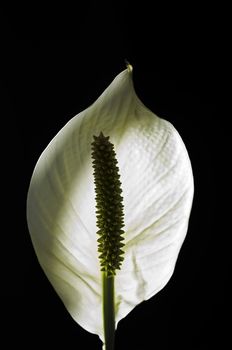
[157, 187]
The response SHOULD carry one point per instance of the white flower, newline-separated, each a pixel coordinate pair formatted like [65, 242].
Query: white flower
[157, 186]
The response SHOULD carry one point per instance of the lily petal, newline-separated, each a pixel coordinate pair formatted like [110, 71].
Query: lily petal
[157, 185]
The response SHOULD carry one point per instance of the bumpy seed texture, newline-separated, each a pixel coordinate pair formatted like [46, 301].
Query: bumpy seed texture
[109, 207]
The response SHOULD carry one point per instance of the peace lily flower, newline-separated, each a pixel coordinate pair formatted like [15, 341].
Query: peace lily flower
[157, 187]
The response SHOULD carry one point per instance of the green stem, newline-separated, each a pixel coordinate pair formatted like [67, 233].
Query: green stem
[108, 311]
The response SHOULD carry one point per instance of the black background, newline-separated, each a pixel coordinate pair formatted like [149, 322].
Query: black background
[178, 59]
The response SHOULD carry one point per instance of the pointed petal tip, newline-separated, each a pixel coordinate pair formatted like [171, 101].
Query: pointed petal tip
[128, 66]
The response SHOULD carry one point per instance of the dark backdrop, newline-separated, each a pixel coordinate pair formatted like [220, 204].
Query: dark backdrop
[178, 62]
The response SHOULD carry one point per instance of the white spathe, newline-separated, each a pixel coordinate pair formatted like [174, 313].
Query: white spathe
[157, 184]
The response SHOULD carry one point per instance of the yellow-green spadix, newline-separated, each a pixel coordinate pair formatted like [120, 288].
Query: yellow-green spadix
[157, 185]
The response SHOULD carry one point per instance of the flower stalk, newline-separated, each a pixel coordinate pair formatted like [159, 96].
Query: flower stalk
[108, 311]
